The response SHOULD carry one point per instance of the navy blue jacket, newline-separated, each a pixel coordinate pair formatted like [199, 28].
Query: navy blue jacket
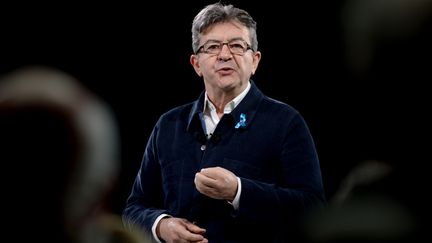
[273, 155]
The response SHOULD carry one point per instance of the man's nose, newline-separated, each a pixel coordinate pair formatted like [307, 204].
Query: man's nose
[225, 52]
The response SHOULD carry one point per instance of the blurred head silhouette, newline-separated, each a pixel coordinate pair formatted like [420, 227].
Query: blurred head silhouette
[60, 155]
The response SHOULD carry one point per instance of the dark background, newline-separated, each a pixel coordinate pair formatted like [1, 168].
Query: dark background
[136, 57]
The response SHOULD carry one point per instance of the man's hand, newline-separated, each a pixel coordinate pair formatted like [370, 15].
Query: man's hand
[172, 230]
[217, 183]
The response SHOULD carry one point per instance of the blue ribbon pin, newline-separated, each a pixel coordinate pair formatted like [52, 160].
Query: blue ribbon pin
[242, 122]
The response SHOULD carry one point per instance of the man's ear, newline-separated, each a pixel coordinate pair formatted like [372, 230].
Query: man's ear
[195, 64]
[256, 60]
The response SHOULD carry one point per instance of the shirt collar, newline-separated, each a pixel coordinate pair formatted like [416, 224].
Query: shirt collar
[249, 106]
[228, 107]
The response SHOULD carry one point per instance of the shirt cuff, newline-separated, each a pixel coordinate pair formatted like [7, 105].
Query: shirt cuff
[155, 225]
[236, 202]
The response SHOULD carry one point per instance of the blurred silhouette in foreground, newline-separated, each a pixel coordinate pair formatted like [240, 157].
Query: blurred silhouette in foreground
[385, 199]
[60, 155]
[366, 208]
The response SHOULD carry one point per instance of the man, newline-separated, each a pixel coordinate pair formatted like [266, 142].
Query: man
[233, 166]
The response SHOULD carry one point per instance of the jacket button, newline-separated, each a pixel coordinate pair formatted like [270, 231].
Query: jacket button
[203, 147]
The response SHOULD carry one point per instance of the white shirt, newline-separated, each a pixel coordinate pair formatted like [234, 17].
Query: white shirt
[211, 119]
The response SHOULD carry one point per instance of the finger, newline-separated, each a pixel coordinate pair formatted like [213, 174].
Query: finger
[210, 172]
[202, 241]
[195, 228]
[192, 237]
[199, 183]
[204, 180]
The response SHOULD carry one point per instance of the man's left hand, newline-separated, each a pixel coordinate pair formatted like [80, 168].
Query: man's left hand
[217, 183]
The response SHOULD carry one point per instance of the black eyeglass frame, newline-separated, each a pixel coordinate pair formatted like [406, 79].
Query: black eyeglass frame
[221, 44]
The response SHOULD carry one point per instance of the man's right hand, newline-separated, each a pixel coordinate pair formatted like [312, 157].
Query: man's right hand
[172, 230]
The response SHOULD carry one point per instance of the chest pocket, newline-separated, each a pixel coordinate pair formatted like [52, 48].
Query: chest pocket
[242, 169]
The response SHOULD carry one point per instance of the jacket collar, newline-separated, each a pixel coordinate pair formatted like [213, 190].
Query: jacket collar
[248, 106]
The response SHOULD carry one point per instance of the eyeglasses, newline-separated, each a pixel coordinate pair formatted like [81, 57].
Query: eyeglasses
[237, 47]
